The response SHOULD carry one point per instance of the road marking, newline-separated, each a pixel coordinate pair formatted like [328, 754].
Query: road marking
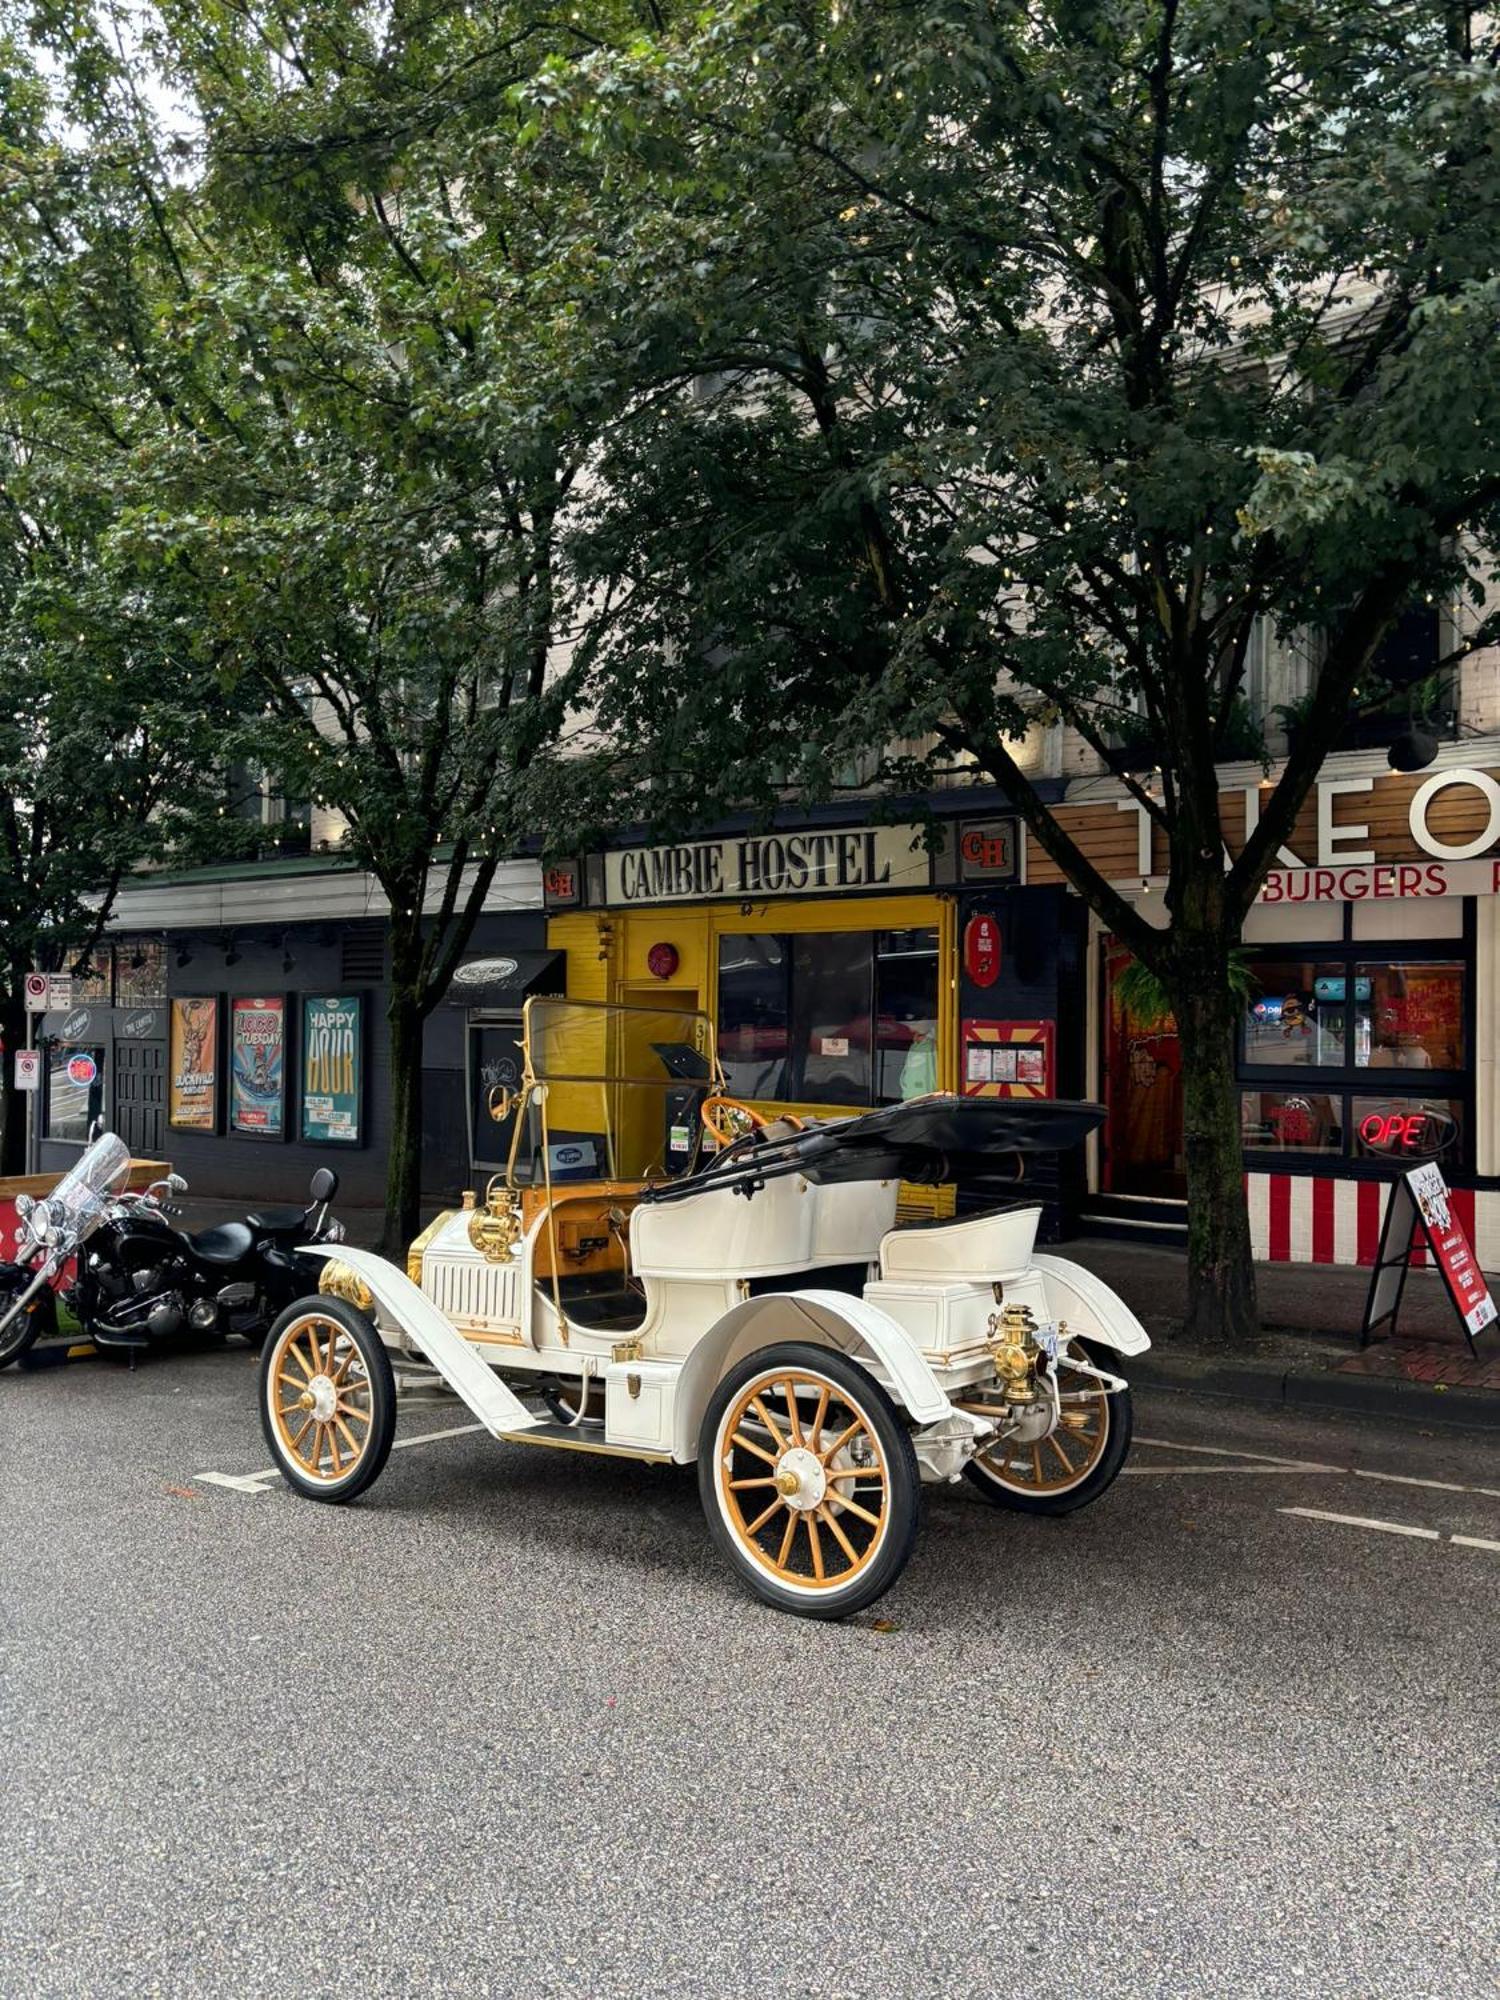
[1309, 1465]
[1363, 1521]
[1436, 1485]
[237, 1482]
[1475, 1542]
[260, 1482]
[1223, 1451]
[436, 1437]
[1235, 1471]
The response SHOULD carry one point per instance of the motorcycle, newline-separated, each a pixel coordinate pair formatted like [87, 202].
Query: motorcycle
[132, 1279]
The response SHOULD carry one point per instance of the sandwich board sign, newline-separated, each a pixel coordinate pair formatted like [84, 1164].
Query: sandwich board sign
[1421, 1200]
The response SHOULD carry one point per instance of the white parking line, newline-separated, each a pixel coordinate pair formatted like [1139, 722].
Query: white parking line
[1363, 1521]
[1474, 1542]
[262, 1481]
[1309, 1465]
[1236, 1471]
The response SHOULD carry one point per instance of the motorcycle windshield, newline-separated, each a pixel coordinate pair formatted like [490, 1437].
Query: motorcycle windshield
[101, 1170]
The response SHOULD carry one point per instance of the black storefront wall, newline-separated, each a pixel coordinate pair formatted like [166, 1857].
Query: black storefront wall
[1043, 935]
[233, 1166]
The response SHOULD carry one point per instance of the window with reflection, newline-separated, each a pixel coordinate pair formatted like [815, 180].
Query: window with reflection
[1409, 1015]
[1296, 1016]
[845, 1017]
[1291, 1121]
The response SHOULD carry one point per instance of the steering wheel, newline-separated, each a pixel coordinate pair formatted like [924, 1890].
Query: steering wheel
[750, 1120]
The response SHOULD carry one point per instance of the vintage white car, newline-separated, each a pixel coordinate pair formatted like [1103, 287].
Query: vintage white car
[664, 1274]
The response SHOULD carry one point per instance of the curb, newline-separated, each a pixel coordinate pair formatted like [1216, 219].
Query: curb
[1320, 1389]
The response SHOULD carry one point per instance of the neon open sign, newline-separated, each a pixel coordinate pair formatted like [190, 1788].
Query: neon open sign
[1415, 1134]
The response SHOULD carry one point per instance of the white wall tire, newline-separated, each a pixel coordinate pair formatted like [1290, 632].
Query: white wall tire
[809, 1480]
[327, 1399]
[1072, 1467]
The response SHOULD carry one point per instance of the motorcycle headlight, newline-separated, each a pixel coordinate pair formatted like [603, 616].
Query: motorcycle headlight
[44, 1222]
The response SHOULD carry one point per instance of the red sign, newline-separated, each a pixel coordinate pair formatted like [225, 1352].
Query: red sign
[662, 960]
[1450, 1248]
[982, 949]
[82, 1069]
[1422, 1133]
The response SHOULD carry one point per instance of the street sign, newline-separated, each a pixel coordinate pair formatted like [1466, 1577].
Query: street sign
[48, 992]
[1421, 1199]
[28, 1069]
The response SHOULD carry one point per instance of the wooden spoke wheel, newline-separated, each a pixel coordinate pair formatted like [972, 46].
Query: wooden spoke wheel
[327, 1399]
[809, 1480]
[1074, 1463]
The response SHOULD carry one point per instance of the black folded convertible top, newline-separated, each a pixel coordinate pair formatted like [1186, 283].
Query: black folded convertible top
[927, 1140]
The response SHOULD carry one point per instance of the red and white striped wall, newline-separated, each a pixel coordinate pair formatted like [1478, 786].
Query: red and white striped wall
[1319, 1219]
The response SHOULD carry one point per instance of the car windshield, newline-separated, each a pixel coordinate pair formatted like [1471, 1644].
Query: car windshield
[613, 1093]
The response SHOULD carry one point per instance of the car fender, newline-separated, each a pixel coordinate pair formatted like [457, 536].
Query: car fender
[828, 1319]
[1089, 1306]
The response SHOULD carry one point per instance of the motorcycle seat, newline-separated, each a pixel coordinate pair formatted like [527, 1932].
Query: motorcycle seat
[278, 1221]
[228, 1243]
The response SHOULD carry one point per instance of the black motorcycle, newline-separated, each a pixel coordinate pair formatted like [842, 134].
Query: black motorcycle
[136, 1279]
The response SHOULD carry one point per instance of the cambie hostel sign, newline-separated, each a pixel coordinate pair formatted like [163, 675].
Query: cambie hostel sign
[770, 864]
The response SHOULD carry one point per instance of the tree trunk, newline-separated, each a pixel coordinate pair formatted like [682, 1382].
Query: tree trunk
[1221, 1303]
[12, 1101]
[403, 1183]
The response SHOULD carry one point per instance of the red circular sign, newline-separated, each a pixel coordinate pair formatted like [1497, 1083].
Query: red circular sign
[982, 949]
[82, 1069]
[662, 960]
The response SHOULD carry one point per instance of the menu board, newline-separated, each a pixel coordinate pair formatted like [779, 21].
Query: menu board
[257, 1066]
[1421, 1202]
[193, 1064]
[333, 1068]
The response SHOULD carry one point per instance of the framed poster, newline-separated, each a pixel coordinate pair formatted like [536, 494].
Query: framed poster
[193, 1064]
[333, 1069]
[1008, 1058]
[257, 1066]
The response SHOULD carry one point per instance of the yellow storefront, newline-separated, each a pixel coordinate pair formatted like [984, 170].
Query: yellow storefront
[827, 959]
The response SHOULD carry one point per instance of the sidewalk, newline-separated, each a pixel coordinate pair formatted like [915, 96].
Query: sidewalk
[1309, 1355]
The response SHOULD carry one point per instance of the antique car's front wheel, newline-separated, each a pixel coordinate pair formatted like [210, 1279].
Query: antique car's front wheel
[1073, 1465]
[809, 1480]
[327, 1399]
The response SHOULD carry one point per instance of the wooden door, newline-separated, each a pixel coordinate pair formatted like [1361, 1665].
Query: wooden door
[140, 1096]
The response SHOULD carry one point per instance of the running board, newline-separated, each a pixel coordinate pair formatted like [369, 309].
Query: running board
[565, 1437]
[406, 1306]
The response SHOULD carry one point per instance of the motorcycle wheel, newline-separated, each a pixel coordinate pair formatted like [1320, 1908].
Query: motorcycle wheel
[1071, 1468]
[24, 1331]
[327, 1399]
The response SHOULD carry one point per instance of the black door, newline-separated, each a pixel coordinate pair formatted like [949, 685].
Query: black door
[140, 1096]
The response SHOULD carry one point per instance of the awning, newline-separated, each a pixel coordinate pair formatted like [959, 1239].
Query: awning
[499, 984]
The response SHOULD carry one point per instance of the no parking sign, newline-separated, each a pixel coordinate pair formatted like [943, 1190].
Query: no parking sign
[28, 1069]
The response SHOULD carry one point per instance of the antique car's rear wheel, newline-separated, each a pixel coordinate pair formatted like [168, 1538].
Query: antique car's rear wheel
[1074, 1464]
[809, 1480]
[327, 1399]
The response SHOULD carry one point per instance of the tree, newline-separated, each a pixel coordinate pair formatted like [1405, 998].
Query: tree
[110, 739]
[1038, 356]
[359, 410]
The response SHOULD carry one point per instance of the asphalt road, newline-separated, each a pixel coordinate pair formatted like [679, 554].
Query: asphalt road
[506, 1727]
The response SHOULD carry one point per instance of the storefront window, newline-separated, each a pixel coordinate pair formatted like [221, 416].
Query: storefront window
[140, 971]
[842, 1018]
[1296, 1016]
[1405, 1130]
[1288, 1121]
[75, 1090]
[1409, 1016]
